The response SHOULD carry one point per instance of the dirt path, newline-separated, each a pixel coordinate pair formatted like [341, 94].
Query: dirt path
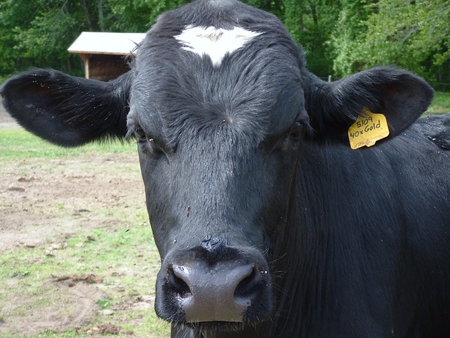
[73, 307]
[45, 200]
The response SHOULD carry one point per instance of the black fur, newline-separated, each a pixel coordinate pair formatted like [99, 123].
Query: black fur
[65, 110]
[401, 96]
[249, 162]
[437, 129]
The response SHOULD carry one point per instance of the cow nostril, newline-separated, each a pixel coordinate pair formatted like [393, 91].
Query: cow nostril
[176, 283]
[248, 287]
[227, 291]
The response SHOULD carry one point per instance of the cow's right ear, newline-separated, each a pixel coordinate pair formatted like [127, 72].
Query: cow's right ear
[67, 110]
[397, 94]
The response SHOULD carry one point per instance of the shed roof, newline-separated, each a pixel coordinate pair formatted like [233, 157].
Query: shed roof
[106, 43]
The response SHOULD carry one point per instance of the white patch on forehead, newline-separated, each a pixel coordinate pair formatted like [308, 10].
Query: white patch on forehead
[214, 42]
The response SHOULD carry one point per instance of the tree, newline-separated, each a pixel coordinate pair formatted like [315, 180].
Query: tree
[311, 23]
[411, 34]
[37, 33]
[339, 36]
[343, 40]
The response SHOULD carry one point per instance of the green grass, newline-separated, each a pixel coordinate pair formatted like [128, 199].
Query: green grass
[20, 144]
[440, 104]
[125, 256]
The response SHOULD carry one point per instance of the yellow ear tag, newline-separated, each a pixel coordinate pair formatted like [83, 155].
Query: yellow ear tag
[367, 129]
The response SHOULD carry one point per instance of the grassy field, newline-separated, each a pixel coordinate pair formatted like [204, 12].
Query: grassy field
[106, 253]
[440, 104]
[102, 249]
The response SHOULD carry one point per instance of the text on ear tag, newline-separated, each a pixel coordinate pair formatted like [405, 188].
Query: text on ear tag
[367, 129]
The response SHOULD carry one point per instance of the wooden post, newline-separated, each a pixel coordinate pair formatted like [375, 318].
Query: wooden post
[86, 58]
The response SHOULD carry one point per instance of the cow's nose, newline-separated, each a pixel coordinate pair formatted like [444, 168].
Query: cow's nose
[214, 283]
[220, 293]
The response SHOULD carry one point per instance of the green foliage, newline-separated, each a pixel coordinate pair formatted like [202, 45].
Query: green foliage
[410, 34]
[343, 38]
[136, 15]
[276, 7]
[440, 104]
[339, 37]
[104, 303]
[310, 24]
[38, 33]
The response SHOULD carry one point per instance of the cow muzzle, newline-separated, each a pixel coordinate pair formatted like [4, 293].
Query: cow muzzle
[214, 284]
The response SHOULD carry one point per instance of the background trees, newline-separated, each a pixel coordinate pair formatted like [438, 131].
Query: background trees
[411, 34]
[339, 36]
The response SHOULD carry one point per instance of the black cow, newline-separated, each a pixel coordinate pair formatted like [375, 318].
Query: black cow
[267, 222]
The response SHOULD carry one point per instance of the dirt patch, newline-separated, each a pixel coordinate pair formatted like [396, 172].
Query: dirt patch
[72, 308]
[45, 201]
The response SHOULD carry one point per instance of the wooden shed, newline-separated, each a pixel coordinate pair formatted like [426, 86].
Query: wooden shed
[104, 53]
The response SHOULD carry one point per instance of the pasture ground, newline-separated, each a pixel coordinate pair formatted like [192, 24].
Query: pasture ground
[77, 257]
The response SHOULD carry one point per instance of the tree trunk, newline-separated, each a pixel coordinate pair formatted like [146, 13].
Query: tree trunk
[100, 15]
[86, 14]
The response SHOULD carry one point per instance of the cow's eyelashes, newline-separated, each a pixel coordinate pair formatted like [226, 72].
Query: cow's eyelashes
[297, 131]
[141, 136]
[289, 137]
[146, 141]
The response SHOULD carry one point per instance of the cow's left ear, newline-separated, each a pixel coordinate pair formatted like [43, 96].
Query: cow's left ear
[67, 110]
[397, 94]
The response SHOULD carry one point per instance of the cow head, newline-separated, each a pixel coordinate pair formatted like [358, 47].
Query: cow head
[218, 136]
[221, 105]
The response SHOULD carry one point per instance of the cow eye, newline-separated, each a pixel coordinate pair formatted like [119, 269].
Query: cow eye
[296, 131]
[146, 142]
[140, 135]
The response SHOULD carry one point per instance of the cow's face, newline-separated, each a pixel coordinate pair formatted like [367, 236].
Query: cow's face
[216, 100]
[218, 138]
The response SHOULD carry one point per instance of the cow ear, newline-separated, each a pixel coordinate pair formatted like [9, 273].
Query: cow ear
[397, 94]
[66, 110]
